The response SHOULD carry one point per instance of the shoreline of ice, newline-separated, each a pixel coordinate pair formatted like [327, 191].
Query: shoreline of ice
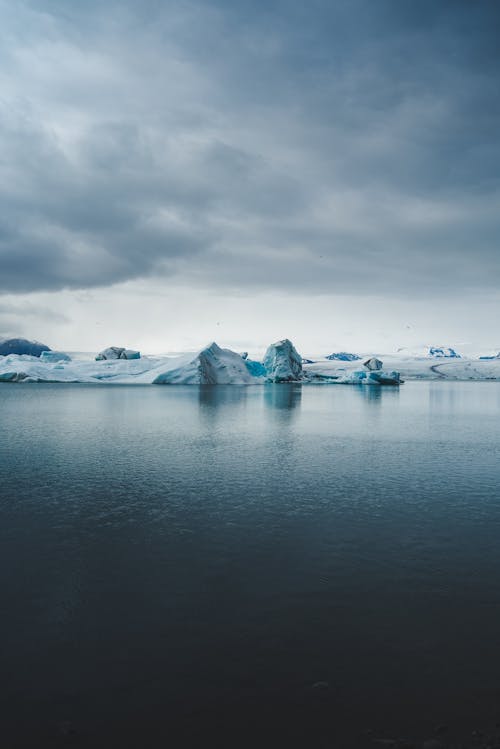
[214, 365]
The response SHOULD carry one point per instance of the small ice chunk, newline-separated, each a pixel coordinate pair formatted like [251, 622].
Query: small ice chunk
[113, 352]
[54, 356]
[129, 353]
[373, 364]
[117, 352]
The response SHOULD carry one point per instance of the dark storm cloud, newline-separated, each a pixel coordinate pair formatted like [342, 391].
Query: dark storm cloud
[349, 145]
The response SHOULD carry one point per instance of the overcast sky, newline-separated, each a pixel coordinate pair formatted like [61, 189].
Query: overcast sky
[177, 172]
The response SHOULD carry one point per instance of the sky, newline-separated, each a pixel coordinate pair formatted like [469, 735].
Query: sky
[173, 173]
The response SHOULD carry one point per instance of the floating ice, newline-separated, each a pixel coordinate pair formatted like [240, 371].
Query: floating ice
[373, 364]
[282, 362]
[371, 378]
[256, 368]
[117, 352]
[54, 356]
[212, 366]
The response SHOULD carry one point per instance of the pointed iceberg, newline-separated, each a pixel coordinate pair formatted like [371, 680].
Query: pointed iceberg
[282, 362]
[212, 366]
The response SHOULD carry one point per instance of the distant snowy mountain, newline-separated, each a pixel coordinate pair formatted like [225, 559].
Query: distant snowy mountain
[439, 352]
[428, 351]
[342, 356]
[21, 346]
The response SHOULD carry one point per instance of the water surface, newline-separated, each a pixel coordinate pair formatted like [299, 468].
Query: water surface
[261, 566]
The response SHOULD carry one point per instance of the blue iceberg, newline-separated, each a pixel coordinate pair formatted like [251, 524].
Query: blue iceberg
[256, 368]
[282, 362]
[54, 356]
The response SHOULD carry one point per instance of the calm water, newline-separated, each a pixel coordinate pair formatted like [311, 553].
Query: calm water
[266, 566]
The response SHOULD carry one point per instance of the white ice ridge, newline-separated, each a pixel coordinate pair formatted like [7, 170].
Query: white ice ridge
[214, 365]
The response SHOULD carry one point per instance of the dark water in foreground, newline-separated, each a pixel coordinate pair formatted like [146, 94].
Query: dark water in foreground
[263, 566]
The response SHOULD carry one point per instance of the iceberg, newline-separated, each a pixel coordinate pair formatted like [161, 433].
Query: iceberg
[212, 366]
[21, 346]
[282, 362]
[371, 378]
[117, 352]
[54, 356]
[256, 368]
[373, 364]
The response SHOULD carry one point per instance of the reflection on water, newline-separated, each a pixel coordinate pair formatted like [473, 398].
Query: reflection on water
[214, 396]
[180, 565]
[283, 396]
[371, 393]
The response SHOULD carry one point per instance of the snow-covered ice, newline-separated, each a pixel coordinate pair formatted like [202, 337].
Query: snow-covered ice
[443, 352]
[371, 377]
[216, 365]
[212, 366]
[54, 356]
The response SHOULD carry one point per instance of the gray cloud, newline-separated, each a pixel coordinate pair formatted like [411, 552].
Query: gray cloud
[337, 146]
[15, 318]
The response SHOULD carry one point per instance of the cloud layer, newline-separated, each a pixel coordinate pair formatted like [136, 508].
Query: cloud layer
[345, 146]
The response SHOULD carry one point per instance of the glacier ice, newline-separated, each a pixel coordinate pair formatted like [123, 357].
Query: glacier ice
[371, 378]
[373, 364]
[256, 368]
[282, 362]
[21, 346]
[216, 365]
[54, 356]
[117, 352]
[113, 352]
[212, 366]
